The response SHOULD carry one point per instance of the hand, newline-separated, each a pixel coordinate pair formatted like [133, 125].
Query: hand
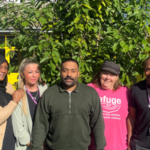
[17, 95]
[128, 148]
[44, 146]
[29, 144]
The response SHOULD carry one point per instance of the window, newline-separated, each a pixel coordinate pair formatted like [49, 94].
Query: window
[2, 52]
[13, 1]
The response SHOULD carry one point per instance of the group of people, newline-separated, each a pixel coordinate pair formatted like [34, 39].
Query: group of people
[71, 115]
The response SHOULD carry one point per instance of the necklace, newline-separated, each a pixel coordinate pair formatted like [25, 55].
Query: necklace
[33, 98]
[35, 95]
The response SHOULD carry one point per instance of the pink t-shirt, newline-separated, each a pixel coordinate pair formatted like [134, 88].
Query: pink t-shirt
[115, 111]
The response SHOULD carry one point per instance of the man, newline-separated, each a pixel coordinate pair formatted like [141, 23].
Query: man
[67, 112]
[138, 121]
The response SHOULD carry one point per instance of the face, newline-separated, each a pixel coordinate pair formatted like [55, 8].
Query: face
[69, 74]
[3, 71]
[31, 74]
[147, 71]
[107, 80]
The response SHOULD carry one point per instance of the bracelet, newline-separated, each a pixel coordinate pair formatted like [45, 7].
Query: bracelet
[15, 101]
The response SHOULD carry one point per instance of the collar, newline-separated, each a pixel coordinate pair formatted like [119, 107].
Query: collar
[61, 88]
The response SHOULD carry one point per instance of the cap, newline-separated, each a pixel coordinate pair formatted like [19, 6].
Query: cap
[111, 66]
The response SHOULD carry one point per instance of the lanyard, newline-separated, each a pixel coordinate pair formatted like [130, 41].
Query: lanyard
[148, 94]
[32, 96]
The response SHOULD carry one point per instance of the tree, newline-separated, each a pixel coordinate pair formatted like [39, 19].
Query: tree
[88, 31]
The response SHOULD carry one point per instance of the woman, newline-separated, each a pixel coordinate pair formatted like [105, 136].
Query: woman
[7, 105]
[23, 116]
[114, 99]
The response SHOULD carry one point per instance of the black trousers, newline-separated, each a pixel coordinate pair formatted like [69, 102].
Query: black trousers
[134, 146]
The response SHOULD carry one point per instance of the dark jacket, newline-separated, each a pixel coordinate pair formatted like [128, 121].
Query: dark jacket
[65, 119]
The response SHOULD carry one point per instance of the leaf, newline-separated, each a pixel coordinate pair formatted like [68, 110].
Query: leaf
[70, 30]
[76, 20]
[50, 15]
[44, 59]
[144, 42]
[42, 20]
[131, 47]
[85, 10]
[87, 6]
[56, 59]
[122, 69]
[99, 8]
[59, 44]
[135, 74]
[25, 23]
[127, 79]
[128, 9]
[122, 43]
[37, 14]
[81, 27]
[103, 3]
[56, 53]
[67, 42]
[132, 61]
[21, 37]
[40, 47]
[33, 47]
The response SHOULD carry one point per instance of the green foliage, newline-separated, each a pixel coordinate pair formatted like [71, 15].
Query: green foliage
[88, 31]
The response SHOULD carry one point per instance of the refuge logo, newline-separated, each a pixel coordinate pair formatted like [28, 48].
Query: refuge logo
[110, 105]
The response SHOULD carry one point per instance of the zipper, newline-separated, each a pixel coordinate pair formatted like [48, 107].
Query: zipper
[69, 103]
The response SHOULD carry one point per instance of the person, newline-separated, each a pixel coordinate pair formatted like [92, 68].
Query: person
[67, 112]
[139, 113]
[114, 100]
[8, 103]
[23, 115]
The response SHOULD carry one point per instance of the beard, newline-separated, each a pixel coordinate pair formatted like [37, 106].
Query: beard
[69, 83]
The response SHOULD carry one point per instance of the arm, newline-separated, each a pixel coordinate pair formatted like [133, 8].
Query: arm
[97, 124]
[131, 123]
[41, 123]
[21, 134]
[6, 111]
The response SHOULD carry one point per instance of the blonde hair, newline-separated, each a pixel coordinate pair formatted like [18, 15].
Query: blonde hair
[21, 81]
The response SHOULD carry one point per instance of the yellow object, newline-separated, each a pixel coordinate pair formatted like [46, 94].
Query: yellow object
[12, 77]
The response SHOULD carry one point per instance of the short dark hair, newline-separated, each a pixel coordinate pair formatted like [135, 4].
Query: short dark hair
[69, 59]
[145, 61]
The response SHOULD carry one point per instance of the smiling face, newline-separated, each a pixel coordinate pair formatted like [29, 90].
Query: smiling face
[69, 75]
[107, 80]
[3, 71]
[31, 74]
[147, 71]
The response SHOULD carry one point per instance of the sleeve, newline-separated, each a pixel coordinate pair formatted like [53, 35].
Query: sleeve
[6, 111]
[97, 123]
[132, 100]
[21, 134]
[41, 123]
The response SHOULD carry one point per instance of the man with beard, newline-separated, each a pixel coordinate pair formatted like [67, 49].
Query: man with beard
[138, 121]
[66, 114]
